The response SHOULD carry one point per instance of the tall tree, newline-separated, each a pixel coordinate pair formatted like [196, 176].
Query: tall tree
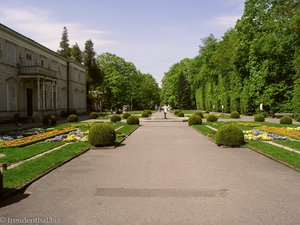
[64, 45]
[76, 53]
[94, 73]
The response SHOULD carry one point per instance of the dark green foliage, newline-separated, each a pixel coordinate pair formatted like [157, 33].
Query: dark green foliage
[93, 115]
[258, 61]
[115, 118]
[49, 120]
[207, 112]
[297, 117]
[286, 120]
[230, 135]
[180, 114]
[126, 115]
[199, 114]
[235, 115]
[76, 53]
[64, 45]
[145, 114]
[176, 112]
[149, 112]
[102, 135]
[132, 120]
[296, 99]
[195, 120]
[211, 118]
[259, 118]
[72, 118]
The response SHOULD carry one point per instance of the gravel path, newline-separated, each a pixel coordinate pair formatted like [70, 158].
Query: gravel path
[164, 173]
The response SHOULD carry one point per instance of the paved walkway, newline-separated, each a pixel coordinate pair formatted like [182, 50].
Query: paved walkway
[165, 173]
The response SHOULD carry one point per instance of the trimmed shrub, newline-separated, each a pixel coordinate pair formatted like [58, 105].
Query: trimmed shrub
[93, 115]
[49, 120]
[207, 112]
[211, 118]
[72, 118]
[230, 135]
[176, 112]
[195, 120]
[126, 115]
[145, 114]
[115, 118]
[131, 120]
[199, 114]
[180, 114]
[102, 135]
[259, 118]
[149, 112]
[286, 120]
[235, 115]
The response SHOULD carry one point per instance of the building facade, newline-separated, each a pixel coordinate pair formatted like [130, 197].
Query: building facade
[35, 81]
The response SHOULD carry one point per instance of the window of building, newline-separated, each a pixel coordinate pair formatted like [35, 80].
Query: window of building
[11, 53]
[11, 97]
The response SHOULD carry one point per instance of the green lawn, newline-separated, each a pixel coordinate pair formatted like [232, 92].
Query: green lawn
[204, 130]
[22, 174]
[14, 155]
[292, 144]
[288, 157]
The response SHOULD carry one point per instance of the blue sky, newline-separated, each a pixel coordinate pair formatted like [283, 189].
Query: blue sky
[153, 34]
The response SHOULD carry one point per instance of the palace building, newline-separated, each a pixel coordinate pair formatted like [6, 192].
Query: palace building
[35, 81]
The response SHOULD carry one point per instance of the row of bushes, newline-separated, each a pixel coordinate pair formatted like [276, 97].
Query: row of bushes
[104, 134]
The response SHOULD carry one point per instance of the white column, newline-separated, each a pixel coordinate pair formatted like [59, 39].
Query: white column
[56, 96]
[52, 95]
[7, 98]
[44, 95]
[38, 94]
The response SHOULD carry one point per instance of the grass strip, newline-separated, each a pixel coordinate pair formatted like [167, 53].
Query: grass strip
[26, 172]
[127, 130]
[14, 155]
[280, 154]
[291, 144]
[204, 130]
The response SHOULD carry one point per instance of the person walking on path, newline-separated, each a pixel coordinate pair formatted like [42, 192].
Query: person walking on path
[165, 111]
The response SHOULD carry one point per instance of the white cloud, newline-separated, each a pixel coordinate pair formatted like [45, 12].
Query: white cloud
[41, 26]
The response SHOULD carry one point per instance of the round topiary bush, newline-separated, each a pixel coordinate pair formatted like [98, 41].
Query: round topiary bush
[49, 120]
[115, 118]
[145, 114]
[149, 112]
[176, 112]
[131, 120]
[259, 118]
[286, 120]
[211, 118]
[207, 112]
[102, 135]
[195, 120]
[199, 114]
[230, 135]
[93, 115]
[180, 114]
[126, 115]
[72, 118]
[235, 115]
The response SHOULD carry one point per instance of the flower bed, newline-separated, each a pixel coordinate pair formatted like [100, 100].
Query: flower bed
[257, 135]
[35, 138]
[73, 136]
[292, 132]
